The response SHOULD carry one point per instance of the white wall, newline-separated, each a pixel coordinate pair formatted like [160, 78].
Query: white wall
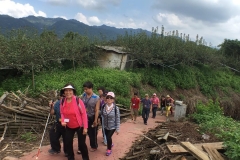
[112, 60]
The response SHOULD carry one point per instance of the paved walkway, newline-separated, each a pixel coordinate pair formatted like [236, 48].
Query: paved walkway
[122, 142]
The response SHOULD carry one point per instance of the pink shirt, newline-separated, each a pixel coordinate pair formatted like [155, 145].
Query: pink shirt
[80, 116]
[69, 113]
[155, 100]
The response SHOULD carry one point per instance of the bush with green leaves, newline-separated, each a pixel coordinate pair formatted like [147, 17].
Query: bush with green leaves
[114, 80]
[211, 119]
[28, 137]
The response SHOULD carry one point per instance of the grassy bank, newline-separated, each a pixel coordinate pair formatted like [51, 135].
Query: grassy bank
[203, 77]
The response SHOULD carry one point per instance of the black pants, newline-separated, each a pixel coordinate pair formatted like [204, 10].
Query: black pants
[154, 111]
[56, 131]
[145, 114]
[92, 132]
[81, 143]
[109, 134]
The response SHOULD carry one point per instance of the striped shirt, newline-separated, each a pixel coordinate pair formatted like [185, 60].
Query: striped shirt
[111, 121]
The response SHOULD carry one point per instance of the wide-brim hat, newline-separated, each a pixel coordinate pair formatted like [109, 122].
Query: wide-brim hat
[70, 87]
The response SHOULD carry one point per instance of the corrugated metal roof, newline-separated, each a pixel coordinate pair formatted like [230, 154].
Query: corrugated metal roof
[113, 48]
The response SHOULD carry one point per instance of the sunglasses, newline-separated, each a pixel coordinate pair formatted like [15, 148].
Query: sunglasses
[109, 97]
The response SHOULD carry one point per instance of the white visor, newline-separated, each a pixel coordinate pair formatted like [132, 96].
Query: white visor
[69, 87]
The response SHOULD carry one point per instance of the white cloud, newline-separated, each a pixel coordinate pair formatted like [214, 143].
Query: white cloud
[56, 16]
[109, 23]
[94, 20]
[97, 4]
[18, 10]
[81, 18]
[171, 19]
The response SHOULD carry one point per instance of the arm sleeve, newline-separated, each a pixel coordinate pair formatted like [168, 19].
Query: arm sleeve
[117, 118]
[83, 113]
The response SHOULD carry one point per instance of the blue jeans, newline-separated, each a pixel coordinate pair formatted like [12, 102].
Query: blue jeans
[145, 114]
[154, 111]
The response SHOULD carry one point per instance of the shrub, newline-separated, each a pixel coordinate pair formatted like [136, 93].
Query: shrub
[211, 119]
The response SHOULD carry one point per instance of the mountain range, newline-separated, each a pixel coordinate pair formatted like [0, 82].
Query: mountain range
[62, 26]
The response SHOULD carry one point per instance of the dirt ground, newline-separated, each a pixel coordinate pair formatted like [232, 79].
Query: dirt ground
[188, 131]
[16, 146]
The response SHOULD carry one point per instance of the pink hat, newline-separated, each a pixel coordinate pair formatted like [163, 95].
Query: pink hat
[111, 94]
[154, 94]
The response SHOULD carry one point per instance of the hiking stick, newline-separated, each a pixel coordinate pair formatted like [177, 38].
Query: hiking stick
[42, 137]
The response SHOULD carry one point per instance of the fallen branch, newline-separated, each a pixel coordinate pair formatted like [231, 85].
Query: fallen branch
[3, 97]
[2, 138]
[4, 148]
[149, 139]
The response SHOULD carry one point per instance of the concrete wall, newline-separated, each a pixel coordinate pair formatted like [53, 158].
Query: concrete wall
[111, 59]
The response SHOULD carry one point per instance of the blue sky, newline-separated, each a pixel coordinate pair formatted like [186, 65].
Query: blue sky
[214, 20]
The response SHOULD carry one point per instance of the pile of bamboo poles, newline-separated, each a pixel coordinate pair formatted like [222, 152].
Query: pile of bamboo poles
[20, 113]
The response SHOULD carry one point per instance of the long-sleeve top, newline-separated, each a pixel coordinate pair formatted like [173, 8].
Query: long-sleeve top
[111, 119]
[57, 110]
[80, 112]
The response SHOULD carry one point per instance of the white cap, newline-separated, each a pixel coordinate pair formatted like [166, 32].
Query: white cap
[111, 94]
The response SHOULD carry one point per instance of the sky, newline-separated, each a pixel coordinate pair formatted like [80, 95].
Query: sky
[214, 20]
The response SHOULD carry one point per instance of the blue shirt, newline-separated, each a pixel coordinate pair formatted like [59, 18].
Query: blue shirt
[146, 103]
[57, 110]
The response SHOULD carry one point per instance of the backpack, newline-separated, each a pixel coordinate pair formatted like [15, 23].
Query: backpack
[79, 106]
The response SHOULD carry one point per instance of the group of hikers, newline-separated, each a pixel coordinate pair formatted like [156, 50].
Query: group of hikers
[150, 105]
[82, 115]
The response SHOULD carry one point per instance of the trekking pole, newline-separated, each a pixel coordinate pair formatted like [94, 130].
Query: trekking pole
[42, 137]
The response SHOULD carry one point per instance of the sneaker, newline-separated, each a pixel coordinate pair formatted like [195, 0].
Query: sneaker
[108, 152]
[51, 151]
[111, 147]
[79, 152]
[145, 123]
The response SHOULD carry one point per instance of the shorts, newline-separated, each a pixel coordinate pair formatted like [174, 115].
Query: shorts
[134, 111]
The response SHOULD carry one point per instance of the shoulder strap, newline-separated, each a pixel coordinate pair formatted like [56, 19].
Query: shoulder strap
[103, 109]
[79, 106]
[62, 101]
